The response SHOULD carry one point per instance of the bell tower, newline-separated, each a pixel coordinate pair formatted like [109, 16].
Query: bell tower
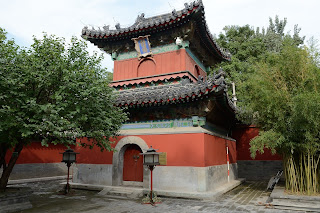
[160, 78]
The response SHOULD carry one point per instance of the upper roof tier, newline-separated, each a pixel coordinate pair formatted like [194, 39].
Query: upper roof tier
[188, 24]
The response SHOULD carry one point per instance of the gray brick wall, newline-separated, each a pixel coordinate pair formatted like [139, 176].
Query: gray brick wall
[258, 169]
[37, 170]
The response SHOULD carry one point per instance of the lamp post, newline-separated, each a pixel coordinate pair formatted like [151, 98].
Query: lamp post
[68, 157]
[151, 159]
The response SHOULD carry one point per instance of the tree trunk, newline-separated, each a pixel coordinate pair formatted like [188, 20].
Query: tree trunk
[3, 151]
[8, 169]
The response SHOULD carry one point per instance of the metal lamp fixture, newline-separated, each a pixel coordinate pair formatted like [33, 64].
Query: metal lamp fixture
[151, 159]
[69, 157]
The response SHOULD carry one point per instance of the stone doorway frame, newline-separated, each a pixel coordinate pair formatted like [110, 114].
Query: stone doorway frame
[117, 160]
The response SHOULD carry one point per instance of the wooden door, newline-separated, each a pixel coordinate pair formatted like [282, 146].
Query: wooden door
[133, 164]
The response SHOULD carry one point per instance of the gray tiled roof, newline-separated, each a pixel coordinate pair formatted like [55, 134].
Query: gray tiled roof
[184, 91]
[142, 23]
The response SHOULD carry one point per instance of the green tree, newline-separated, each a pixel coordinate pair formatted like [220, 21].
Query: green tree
[284, 94]
[278, 90]
[53, 93]
[109, 76]
[249, 45]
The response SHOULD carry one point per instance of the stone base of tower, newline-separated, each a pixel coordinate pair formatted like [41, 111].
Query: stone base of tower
[165, 178]
[192, 179]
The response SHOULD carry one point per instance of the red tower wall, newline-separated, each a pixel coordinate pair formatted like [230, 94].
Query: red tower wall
[192, 149]
[193, 67]
[243, 135]
[264, 166]
[94, 155]
[36, 153]
[37, 161]
[216, 151]
[162, 63]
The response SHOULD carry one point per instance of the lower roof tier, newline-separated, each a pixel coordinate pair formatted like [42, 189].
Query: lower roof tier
[154, 79]
[187, 89]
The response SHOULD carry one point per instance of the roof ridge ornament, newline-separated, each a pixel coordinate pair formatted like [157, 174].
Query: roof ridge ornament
[174, 13]
[199, 2]
[140, 18]
[106, 27]
[85, 30]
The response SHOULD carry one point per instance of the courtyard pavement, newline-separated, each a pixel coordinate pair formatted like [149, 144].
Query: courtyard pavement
[248, 197]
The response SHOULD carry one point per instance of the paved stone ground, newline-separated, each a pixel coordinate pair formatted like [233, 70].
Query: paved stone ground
[248, 197]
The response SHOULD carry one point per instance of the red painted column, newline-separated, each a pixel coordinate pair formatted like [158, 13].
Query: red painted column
[228, 163]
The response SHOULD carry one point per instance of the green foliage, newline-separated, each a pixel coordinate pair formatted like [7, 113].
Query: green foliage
[278, 88]
[273, 139]
[284, 94]
[55, 93]
[245, 46]
[109, 76]
[248, 45]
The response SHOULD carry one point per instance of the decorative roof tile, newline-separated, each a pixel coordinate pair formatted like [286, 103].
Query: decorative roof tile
[183, 91]
[156, 78]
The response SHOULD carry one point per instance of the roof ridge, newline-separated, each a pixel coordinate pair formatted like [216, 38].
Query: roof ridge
[153, 23]
[167, 17]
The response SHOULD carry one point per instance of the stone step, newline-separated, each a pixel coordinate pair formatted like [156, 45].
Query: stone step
[297, 203]
[296, 208]
[281, 200]
[122, 191]
[125, 189]
[291, 204]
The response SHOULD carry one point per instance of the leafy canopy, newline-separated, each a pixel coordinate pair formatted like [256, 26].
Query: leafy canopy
[284, 94]
[277, 85]
[278, 82]
[54, 92]
[248, 45]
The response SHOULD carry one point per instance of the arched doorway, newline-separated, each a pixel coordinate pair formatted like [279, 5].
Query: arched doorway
[118, 160]
[133, 164]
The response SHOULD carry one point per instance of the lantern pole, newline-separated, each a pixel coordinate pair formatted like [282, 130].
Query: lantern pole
[68, 186]
[151, 200]
[151, 159]
[68, 157]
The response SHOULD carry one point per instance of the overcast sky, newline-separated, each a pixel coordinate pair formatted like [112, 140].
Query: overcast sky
[65, 18]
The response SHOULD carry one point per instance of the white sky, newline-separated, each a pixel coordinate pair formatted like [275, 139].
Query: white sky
[65, 18]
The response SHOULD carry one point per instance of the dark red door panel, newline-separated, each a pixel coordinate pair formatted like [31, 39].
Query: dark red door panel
[132, 164]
